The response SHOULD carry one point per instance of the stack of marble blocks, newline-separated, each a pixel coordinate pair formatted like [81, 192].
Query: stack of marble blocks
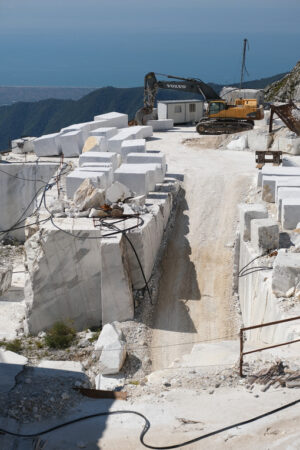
[257, 228]
[281, 185]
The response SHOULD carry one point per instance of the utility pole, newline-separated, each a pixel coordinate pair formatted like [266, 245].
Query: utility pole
[243, 70]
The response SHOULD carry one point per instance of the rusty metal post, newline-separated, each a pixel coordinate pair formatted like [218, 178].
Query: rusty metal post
[241, 351]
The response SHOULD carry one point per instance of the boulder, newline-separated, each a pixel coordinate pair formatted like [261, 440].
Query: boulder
[238, 143]
[87, 196]
[113, 348]
[109, 334]
[112, 358]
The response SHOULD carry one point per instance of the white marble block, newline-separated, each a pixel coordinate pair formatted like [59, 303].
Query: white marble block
[132, 146]
[107, 132]
[248, 212]
[145, 158]
[83, 127]
[63, 281]
[71, 143]
[161, 124]
[95, 144]
[137, 179]
[283, 193]
[47, 145]
[290, 213]
[99, 157]
[113, 119]
[264, 235]
[293, 182]
[286, 273]
[115, 143]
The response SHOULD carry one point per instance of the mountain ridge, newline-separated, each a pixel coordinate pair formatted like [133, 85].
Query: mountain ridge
[50, 115]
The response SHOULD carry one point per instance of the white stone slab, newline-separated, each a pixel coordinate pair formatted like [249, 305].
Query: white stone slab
[283, 193]
[75, 178]
[113, 119]
[286, 273]
[99, 157]
[264, 235]
[146, 158]
[290, 213]
[11, 364]
[248, 212]
[161, 124]
[63, 282]
[132, 146]
[107, 132]
[116, 292]
[71, 143]
[47, 145]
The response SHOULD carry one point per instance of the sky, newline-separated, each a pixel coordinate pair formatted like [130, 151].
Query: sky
[95, 43]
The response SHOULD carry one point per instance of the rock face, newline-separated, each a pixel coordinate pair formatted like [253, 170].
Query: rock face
[64, 275]
[26, 180]
[288, 88]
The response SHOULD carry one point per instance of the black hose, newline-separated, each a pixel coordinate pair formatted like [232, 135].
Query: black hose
[147, 426]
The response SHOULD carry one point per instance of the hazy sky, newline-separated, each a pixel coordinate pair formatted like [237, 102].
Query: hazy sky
[115, 42]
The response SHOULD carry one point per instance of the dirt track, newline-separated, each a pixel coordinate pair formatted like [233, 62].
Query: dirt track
[195, 301]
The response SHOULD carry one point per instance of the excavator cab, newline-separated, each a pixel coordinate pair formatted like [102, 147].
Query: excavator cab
[215, 107]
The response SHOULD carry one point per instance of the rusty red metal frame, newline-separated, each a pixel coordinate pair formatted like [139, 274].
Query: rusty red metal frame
[242, 353]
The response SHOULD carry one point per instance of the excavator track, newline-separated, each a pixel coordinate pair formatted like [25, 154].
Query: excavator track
[215, 127]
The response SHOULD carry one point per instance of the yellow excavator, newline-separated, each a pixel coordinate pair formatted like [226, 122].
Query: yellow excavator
[220, 117]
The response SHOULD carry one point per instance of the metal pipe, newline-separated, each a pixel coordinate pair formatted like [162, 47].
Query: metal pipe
[270, 323]
[271, 346]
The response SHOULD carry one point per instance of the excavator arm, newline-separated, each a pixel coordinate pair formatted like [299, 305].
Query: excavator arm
[151, 86]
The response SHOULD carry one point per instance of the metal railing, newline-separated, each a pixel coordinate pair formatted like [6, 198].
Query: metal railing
[242, 353]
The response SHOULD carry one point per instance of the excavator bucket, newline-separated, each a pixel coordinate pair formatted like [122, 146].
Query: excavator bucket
[289, 114]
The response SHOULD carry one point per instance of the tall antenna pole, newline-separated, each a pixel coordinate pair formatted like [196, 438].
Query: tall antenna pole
[244, 62]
